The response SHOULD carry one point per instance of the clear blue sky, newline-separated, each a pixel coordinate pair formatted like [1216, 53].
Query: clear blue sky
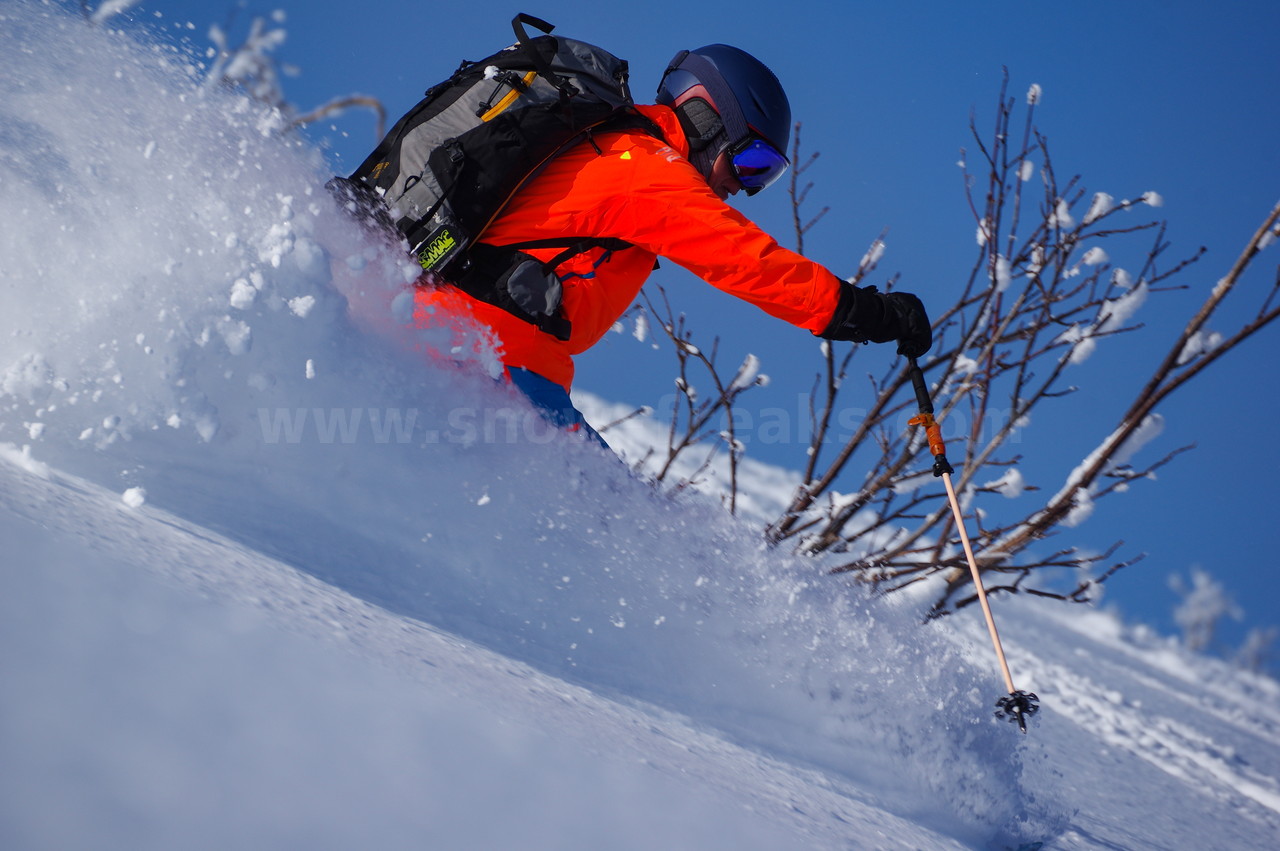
[1139, 95]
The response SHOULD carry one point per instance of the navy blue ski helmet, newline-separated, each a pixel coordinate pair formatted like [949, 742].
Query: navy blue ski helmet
[729, 100]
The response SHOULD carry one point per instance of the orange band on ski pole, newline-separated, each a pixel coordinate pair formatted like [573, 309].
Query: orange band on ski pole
[933, 431]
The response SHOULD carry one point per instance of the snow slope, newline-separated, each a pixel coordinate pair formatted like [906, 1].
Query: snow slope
[169, 688]
[276, 574]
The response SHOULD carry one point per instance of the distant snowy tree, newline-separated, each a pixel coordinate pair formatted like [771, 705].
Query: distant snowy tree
[1204, 603]
[1256, 652]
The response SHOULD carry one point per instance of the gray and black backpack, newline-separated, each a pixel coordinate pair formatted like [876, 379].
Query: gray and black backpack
[450, 165]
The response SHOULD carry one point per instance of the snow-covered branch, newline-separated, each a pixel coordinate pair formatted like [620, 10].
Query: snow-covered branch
[1173, 372]
[342, 104]
[253, 68]
[1044, 295]
[250, 65]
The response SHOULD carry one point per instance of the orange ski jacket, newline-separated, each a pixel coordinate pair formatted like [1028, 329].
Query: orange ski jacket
[642, 190]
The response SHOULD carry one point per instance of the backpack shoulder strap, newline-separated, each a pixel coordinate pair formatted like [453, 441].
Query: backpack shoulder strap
[632, 119]
[572, 245]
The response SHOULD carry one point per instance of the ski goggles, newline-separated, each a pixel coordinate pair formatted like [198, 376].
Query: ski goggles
[757, 164]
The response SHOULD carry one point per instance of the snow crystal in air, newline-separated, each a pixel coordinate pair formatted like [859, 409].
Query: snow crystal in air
[302, 305]
[1025, 170]
[134, 497]
[242, 294]
[402, 306]
[237, 335]
[27, 377]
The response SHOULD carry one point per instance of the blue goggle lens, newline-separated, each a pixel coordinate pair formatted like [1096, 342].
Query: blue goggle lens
[758, 164]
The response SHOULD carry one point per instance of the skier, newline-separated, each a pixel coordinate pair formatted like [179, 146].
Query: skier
[725, 122]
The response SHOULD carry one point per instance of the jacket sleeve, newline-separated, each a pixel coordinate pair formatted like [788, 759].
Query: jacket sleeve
[667, 208]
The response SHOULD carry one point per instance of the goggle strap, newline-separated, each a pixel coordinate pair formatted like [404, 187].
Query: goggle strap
[725, 102]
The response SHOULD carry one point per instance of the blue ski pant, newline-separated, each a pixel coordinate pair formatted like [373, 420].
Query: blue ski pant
[553, 403]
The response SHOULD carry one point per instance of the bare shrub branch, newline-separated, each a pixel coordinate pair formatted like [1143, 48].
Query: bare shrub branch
[1042, 295]
[253, 68]
[342, 104]
[697, 419]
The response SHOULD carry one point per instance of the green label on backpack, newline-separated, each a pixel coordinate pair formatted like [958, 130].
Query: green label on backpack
[437, 249]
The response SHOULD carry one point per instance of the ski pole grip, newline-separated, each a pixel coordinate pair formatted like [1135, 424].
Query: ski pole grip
[932, 430]
[922, 390]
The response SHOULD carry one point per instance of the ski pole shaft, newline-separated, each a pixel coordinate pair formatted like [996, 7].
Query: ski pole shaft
[1018, 704]
[977, 580]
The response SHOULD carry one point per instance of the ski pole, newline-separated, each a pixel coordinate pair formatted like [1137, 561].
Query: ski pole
[1017, 706]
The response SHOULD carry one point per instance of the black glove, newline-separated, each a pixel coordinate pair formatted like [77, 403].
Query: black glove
[865, 315]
